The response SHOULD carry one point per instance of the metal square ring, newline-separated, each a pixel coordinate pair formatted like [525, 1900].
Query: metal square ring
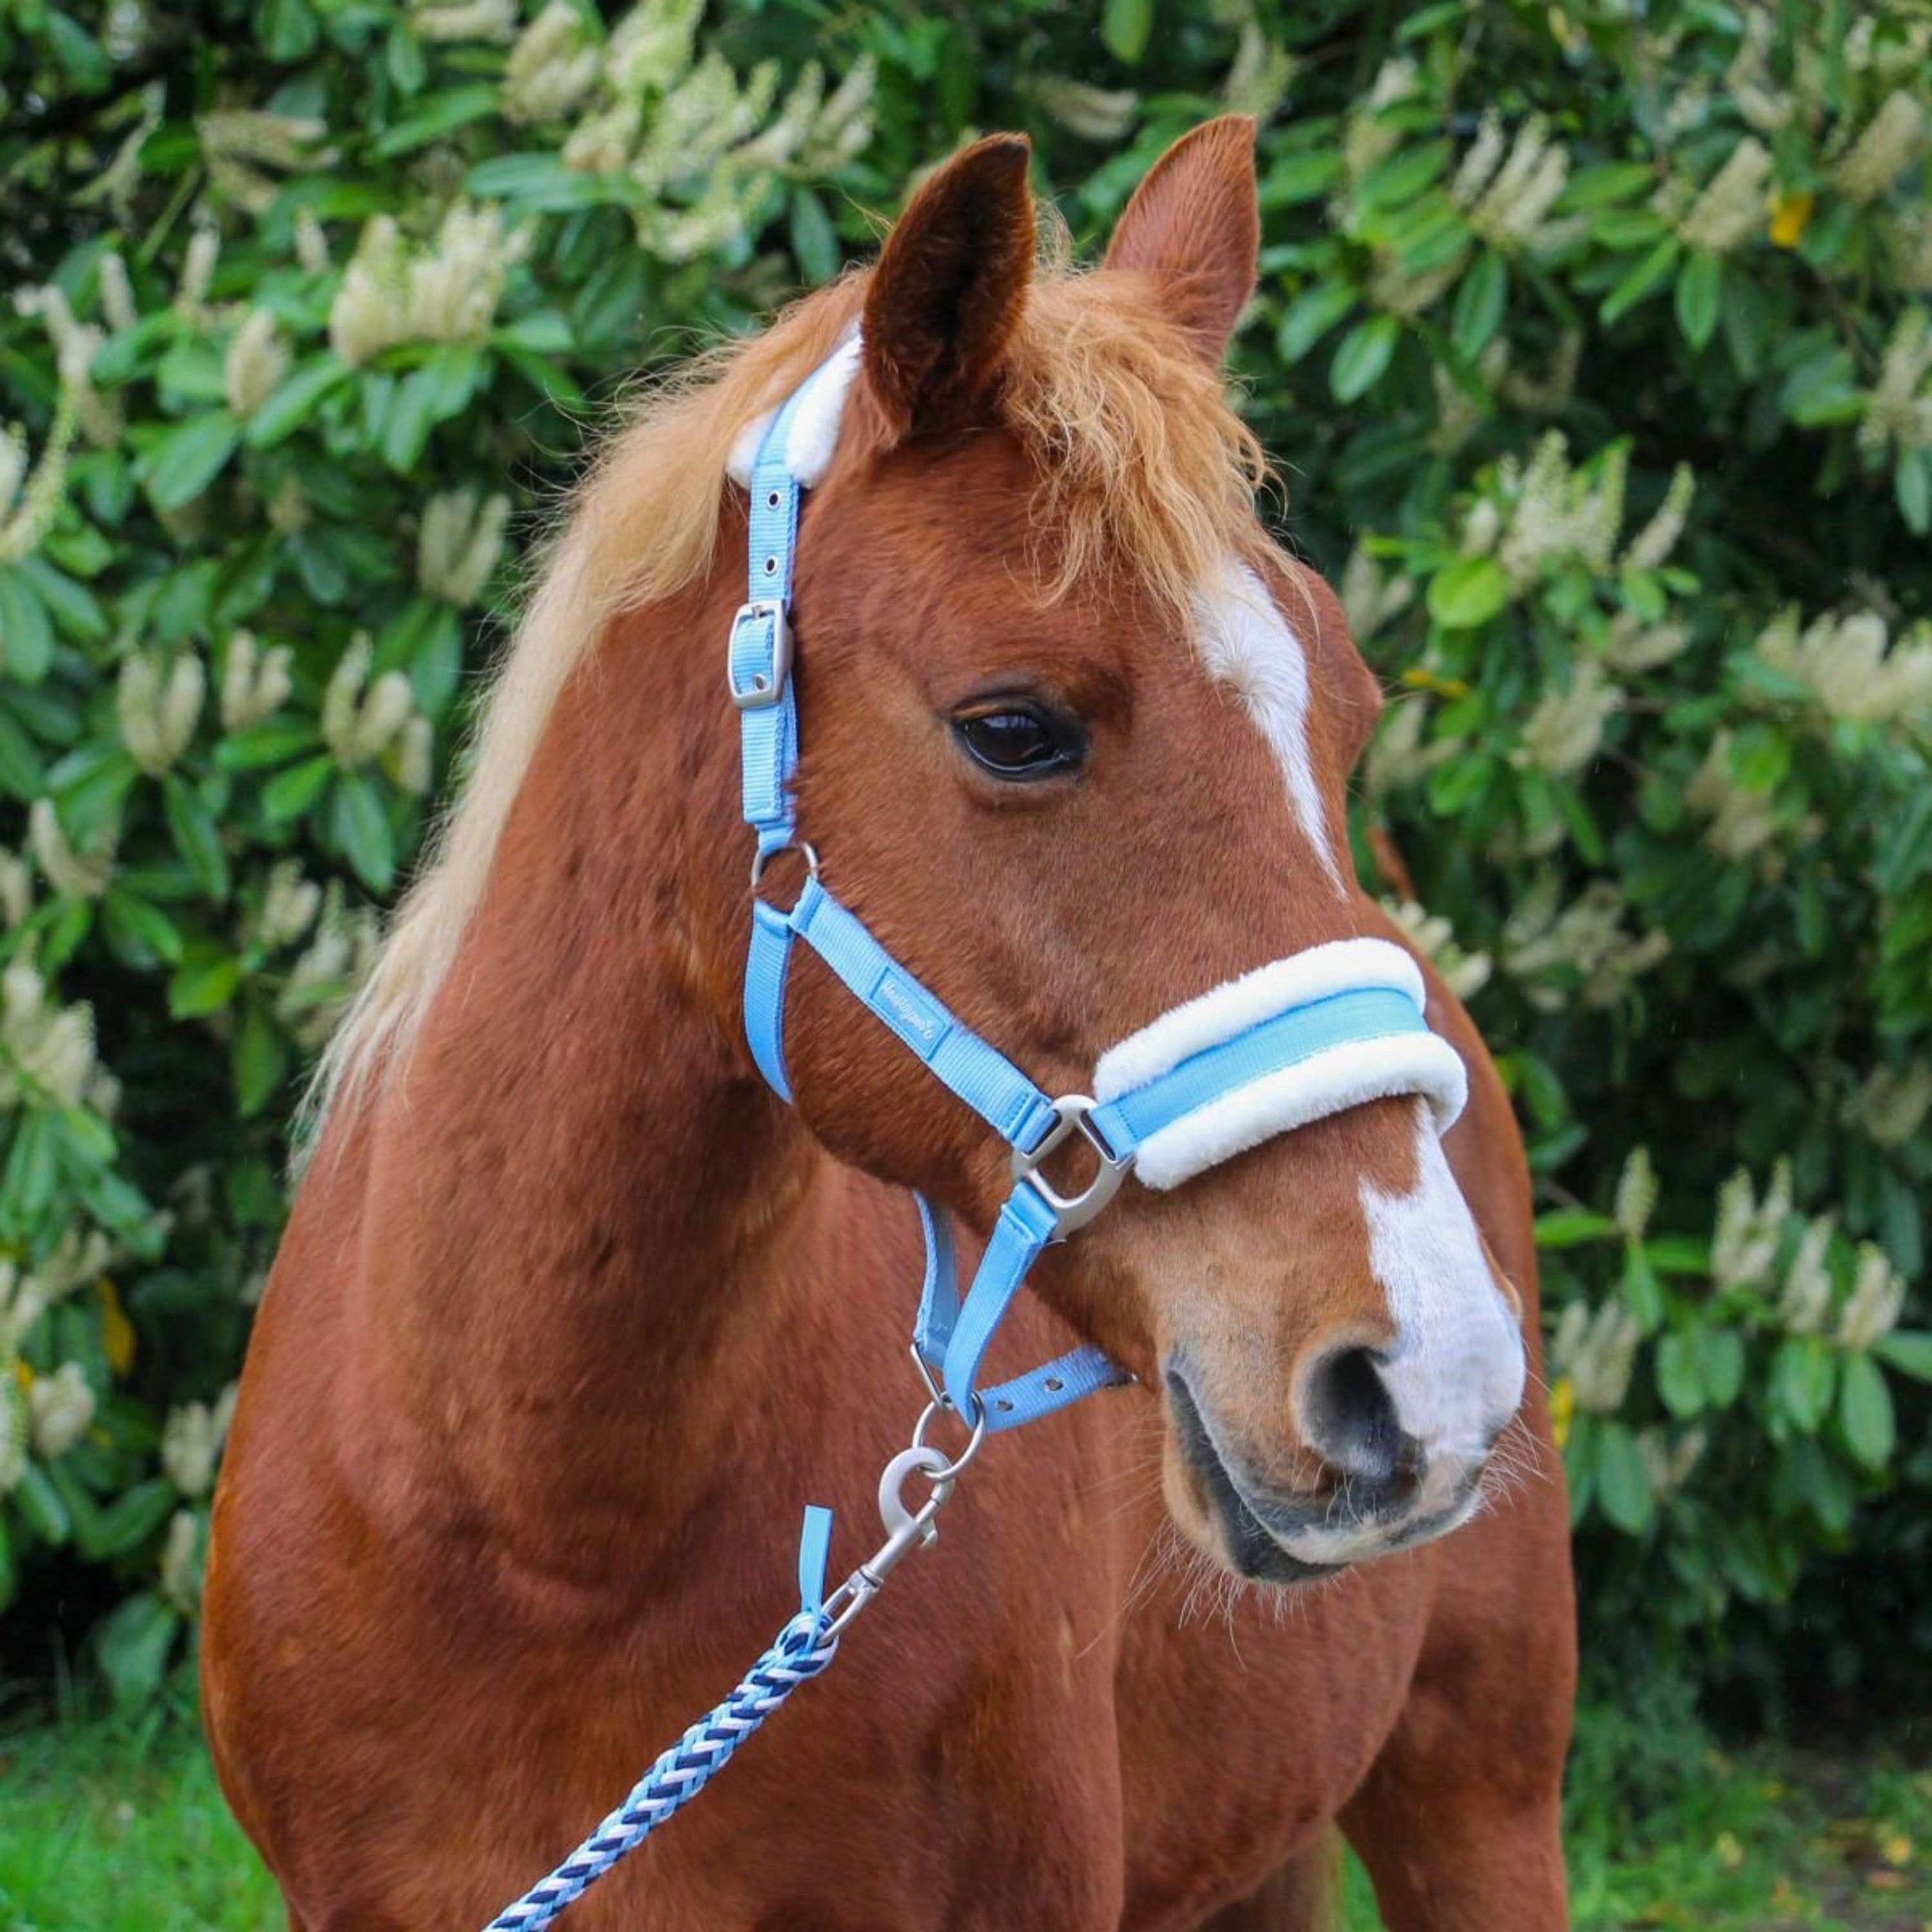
[1071, 1211]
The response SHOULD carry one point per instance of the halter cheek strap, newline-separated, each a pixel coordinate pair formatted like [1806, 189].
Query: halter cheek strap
[1305, 1037]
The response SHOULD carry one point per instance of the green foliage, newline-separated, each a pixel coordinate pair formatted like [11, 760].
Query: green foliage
[1594, 344]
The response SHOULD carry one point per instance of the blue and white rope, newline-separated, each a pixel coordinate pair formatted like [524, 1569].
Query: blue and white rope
[804, 1648]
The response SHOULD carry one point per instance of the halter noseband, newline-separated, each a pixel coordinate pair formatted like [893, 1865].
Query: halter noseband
[1308, 1036]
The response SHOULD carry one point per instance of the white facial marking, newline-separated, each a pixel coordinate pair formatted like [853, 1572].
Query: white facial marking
[1455, 1370]
[1245, 642]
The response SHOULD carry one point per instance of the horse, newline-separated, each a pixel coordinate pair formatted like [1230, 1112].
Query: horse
[572, 1312]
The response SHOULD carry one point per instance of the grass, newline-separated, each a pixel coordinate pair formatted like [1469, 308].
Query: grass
[105, 1828]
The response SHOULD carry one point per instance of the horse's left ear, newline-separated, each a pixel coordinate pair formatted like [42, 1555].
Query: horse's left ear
[1193, 229]
[949, 288]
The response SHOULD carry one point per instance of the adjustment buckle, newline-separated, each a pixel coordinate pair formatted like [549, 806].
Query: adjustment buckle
[765, 688]
[1075, 1211]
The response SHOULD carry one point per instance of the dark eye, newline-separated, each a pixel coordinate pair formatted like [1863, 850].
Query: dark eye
[1022, 740]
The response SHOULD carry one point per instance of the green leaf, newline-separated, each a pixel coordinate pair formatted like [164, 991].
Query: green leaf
[39, 1503]
[1803, 1373]
[814, 246]
[287, 30]
[265, 745]
[132, 1519]
[1481, 299]
[539, 182]
[290, 794]
[188, 458]
[298, 399]
[1570, 1227]
[1822, 390]
[26, 629]
[1642, 281]
[1721, 1358]
[1299, 177]
[260, 1059]
[133, 1646]
[22, 774]
[1700, 287]
[1642, 1292]
[74, 607]
[1310, 315]
[406, 426]
[83, 60]
[1362, 357]
[140, 932]
[1865, 1411]
[1912, 484]
[1125, 26]
[1678, 1379]
[443, 115]
[402, 55]
[197, 837]
[32, 1169]
[1624, 1491]
[204, 985]
[1909, 1351]
[1468, 592]
[362, 829]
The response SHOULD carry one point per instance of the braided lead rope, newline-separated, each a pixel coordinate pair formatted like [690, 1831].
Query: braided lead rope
[804, 1648]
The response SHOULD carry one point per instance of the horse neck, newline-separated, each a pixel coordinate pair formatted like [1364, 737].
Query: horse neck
[586, 1221]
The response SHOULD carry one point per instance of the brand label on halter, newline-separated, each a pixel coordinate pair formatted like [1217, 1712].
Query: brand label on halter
[910, 1011]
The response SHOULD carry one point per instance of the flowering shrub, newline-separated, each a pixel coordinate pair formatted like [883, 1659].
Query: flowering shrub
[1595, 346]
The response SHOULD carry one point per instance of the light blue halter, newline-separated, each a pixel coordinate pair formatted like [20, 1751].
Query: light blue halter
[1304, 1037]
[951, 1339]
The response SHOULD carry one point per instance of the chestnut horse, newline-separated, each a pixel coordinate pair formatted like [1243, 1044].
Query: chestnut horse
[572, 1314]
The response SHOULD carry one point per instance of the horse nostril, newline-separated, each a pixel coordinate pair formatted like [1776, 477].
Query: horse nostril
[1351, 1418]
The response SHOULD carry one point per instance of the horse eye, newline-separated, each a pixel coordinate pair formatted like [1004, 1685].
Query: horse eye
[1015, 740]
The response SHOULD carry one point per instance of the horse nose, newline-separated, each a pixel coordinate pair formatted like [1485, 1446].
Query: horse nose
[1349, 1418]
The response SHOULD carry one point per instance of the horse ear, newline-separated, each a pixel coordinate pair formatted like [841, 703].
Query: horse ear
[1193, 229]
[948, 291]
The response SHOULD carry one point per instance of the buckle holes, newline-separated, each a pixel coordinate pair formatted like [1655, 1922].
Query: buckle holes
[1004, 1404]
[771, 566]
[1053, 1385]
[771, 501]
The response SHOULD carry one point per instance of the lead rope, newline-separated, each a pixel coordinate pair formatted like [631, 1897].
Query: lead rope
[801, 1650]
[804, 1648]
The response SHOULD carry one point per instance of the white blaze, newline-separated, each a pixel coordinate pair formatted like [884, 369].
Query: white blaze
[1455, 1369]
[1246, 644]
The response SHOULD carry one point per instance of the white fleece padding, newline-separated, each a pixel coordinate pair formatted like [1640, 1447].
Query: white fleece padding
[1342, 966]
[814, 436]
[1325, 1083]
[1245, 642]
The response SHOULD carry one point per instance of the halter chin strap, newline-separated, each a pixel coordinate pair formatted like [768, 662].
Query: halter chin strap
[1306, 1036]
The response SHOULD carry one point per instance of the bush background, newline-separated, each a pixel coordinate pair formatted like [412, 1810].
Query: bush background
[1593, 343]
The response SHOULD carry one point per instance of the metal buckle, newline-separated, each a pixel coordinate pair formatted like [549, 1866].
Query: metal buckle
[1076, 1211]
[765, 689]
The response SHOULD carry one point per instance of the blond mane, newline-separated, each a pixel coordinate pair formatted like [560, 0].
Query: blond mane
[1140, 458]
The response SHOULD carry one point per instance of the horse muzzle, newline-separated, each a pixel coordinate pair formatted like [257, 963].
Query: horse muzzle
[1382, 1491]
